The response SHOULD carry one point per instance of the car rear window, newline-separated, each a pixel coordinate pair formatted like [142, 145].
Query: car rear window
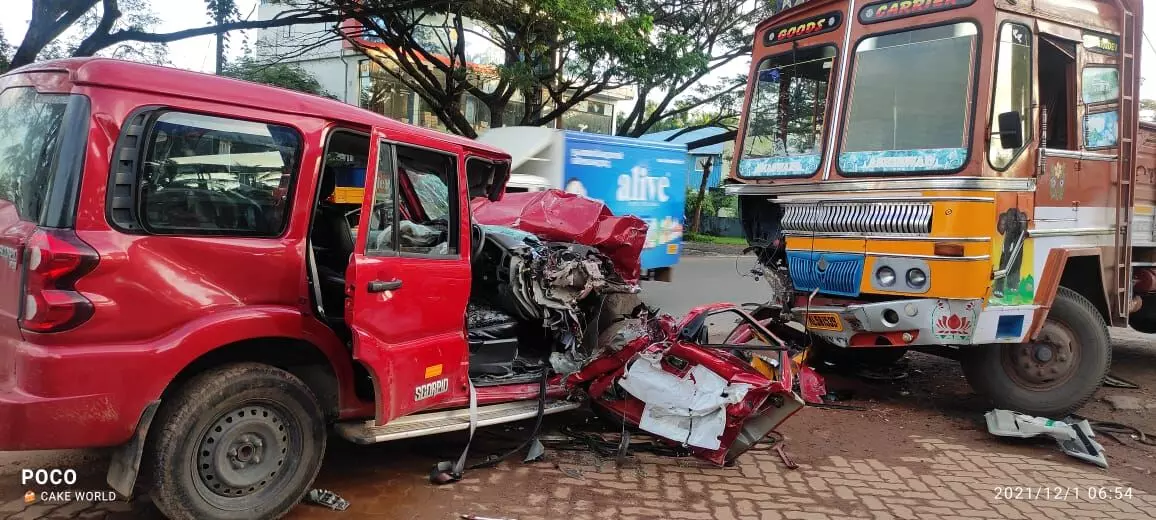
[30, 128]
[218, 176]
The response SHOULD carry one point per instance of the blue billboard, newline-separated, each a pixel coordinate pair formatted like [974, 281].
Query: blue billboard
[633, 177]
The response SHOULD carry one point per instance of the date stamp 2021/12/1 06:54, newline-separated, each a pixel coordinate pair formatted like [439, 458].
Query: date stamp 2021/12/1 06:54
[1061, 493]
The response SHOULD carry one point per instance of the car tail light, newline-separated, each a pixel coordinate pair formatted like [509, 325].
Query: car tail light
[54, 259]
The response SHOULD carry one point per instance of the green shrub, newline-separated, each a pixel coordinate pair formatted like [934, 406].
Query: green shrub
[708, 207]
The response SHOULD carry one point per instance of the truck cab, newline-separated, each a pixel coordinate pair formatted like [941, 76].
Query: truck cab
[207, 275]
[960, 177]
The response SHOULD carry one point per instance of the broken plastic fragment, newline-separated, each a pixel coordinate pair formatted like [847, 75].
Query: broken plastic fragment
[812, 386]
[564, 363]
[1074, 437]
[536, 451]
[324, 497]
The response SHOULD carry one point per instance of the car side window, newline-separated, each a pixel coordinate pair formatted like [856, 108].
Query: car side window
[210, 175]
[427, 189]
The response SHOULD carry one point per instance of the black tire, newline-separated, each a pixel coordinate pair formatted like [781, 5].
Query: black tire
[1014, 377]
[260, 417]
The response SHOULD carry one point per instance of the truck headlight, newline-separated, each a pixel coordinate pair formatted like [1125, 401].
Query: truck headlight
[886, 276]
[916, 278]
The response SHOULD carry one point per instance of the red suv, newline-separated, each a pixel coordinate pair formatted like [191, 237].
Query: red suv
[206, 274]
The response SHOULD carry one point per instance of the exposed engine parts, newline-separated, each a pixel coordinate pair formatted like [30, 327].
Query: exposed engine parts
[556, 287]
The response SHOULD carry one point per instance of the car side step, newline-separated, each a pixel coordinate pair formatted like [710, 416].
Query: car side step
[418, 425]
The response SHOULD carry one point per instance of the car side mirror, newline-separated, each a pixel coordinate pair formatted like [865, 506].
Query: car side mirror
[1011, 130]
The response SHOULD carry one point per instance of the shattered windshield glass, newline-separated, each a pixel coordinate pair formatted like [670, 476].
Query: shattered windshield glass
[432, 192]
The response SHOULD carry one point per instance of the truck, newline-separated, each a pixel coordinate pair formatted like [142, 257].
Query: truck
[963, 177]
[631, 176]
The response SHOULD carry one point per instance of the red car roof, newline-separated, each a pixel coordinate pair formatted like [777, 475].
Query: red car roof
[177, 82]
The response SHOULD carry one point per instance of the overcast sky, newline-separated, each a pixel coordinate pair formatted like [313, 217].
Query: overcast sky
[197, 53]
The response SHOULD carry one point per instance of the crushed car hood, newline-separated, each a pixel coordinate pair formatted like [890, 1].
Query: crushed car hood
[557, 216]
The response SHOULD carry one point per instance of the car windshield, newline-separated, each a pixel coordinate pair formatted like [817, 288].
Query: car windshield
[910, 102]
[786, 118]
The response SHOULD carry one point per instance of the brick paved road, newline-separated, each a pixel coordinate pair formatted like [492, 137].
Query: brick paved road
[946, 481]
[938, 480]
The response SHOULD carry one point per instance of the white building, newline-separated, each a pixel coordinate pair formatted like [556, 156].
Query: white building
[355, 79]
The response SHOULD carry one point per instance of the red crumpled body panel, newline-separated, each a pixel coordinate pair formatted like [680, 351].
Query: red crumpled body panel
[557, 216]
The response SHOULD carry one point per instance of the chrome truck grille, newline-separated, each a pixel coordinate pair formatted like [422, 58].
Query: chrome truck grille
[857, 218]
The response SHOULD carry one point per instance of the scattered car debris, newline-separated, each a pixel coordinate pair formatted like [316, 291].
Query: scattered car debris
[812, 386]
[1074, 436]
[326, 498]
[1115, 430]
[1113, 381]
[786, 458]
[570, 472]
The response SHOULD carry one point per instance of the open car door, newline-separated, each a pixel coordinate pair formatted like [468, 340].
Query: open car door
[408, 280]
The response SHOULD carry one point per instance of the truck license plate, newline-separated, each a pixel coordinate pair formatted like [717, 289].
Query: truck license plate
[824, 321]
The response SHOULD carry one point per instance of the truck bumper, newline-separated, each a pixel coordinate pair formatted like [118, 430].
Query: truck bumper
[917, 322]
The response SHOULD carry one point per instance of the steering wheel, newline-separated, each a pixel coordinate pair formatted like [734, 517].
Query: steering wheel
[376, 207]
[477, 241]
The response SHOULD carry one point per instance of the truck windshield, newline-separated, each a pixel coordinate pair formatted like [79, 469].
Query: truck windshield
[910, 102]
[786, 117]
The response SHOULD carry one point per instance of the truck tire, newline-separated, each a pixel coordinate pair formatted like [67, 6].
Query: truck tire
[242, 441]
[1054, 375]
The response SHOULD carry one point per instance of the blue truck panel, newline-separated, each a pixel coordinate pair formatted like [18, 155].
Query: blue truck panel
[633, 177]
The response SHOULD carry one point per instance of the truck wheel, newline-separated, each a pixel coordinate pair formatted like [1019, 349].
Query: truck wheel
[1055, 374]
[238, 442]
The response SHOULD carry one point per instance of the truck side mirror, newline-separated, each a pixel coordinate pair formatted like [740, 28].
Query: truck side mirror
[1011, 130]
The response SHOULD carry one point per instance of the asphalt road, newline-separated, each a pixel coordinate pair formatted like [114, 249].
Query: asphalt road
[699, 280]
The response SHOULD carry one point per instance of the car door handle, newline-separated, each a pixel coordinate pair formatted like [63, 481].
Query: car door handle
[377, 286]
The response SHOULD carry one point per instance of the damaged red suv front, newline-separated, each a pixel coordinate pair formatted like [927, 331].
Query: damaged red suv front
[716, 381]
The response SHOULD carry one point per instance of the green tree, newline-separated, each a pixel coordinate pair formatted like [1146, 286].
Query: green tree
[554, 54]
[91, 26]
[5, 51]
[276, 74]
[691, 43]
